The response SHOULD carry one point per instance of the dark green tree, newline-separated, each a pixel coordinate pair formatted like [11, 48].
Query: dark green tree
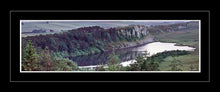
[113, 59]
[30, 62]
[113, 62]
[150, 64]
[144, 63]
[136, 66]
[64, 64]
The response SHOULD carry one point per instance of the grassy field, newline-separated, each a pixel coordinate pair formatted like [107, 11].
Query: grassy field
[190, 38]
[34, 34]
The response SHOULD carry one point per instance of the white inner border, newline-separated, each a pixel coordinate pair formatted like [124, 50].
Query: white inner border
[112, 71]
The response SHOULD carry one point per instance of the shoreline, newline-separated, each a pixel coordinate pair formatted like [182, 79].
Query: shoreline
[142, 42]
[126, 63]
[177, 44]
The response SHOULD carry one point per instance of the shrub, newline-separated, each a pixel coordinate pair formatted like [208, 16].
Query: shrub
[144, 63]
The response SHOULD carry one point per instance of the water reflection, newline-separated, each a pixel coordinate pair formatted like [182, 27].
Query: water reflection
[101, 58]
[126, 55]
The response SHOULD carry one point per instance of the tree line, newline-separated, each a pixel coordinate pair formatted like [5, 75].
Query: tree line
[144, 62]
[44, 61]
[81, 41]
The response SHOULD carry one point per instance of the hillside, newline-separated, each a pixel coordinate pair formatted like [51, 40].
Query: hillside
[59, 26]
[98, 48]
[96, 39]
[158, 29]
[88, 40]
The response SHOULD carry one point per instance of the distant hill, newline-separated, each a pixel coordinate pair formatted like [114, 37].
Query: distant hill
[59, 26]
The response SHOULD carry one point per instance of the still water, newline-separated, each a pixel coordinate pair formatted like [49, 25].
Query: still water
[128, 55]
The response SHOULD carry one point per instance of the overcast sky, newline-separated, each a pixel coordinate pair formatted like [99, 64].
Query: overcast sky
[108, 20]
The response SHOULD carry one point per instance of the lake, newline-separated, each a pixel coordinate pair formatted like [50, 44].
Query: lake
[128, 56]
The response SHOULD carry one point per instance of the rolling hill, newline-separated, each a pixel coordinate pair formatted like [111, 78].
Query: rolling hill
[59, 26]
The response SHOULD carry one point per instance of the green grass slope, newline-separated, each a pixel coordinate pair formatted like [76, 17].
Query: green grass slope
[189, 38]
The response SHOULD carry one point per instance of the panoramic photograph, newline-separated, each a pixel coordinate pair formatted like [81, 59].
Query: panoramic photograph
[110, 46]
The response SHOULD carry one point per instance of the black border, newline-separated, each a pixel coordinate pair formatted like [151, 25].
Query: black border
[203, 15]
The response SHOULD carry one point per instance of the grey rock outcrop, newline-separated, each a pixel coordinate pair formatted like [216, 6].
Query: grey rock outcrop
[134, 30]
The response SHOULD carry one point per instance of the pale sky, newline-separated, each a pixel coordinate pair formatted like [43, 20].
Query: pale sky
[108, 20]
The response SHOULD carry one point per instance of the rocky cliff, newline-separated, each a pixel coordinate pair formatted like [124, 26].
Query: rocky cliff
[135, 30]
[87, 40]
